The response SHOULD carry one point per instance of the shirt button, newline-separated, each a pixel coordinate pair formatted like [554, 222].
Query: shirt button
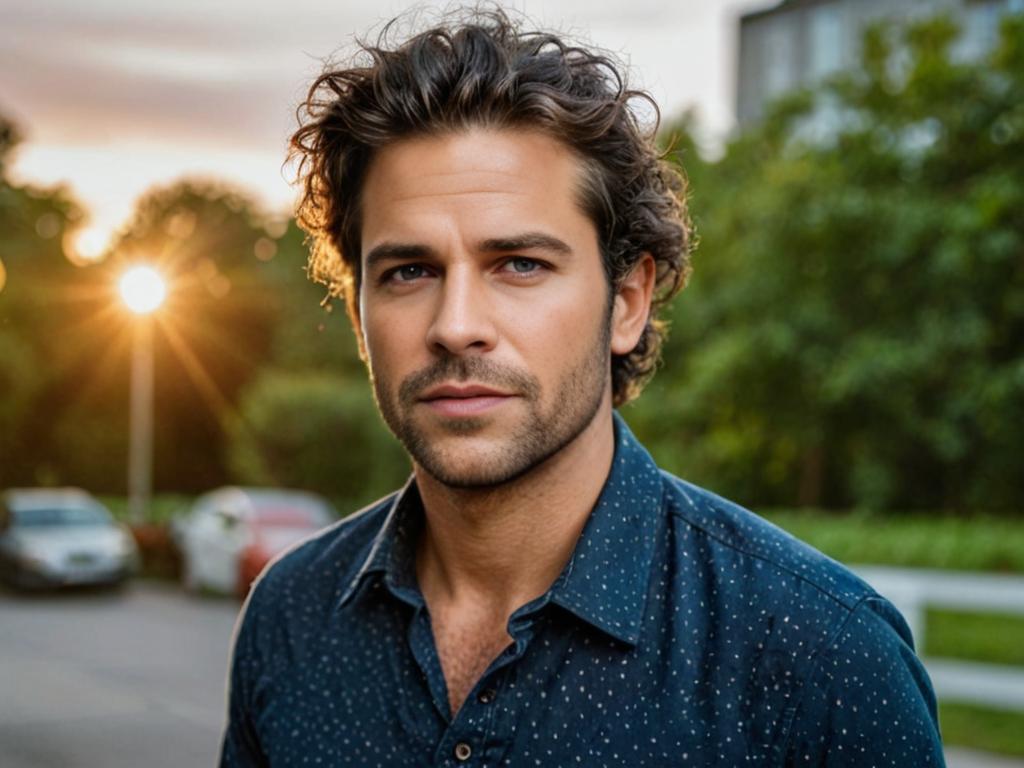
[486, 696]
[463, 751]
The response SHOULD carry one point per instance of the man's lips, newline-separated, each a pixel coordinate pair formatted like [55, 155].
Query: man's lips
[464, 400]
[461, 392]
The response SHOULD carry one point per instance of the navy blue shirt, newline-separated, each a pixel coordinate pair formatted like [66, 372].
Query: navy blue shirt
[684, 630]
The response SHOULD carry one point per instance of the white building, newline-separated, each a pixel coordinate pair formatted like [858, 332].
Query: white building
[798, 42]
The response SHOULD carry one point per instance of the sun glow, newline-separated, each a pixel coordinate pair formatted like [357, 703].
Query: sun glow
[86, 246]
[142, 289]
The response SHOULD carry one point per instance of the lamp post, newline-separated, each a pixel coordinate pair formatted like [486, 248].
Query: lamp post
[142, 290]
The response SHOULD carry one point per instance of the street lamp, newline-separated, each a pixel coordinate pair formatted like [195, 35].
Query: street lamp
[143, 291]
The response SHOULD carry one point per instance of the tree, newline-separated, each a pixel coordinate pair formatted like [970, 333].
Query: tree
[211, 337]
[316, 431]
[854, 332]
[33, 224]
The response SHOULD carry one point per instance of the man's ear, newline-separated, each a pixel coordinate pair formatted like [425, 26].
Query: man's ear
[632, 305]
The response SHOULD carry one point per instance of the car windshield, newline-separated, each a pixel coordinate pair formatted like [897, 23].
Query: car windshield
[51, 516]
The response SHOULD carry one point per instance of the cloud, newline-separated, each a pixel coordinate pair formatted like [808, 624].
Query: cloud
[113, 95]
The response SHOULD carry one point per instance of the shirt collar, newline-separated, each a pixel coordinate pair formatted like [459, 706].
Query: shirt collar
[605, 581]
[393, 550]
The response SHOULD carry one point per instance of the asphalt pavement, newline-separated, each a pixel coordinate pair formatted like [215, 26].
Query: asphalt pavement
[113, 679]
[134, 678]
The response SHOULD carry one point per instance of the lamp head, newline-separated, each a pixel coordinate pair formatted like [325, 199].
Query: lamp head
[142, 289]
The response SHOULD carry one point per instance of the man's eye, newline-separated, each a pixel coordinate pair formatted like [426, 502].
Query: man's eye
[523, 266]
[407, 272]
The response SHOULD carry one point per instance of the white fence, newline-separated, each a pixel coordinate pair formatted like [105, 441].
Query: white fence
[912, 591]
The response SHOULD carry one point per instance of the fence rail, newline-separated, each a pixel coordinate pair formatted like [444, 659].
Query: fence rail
[913, 591]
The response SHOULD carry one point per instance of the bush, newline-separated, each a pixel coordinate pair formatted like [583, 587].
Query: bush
[159, 557]
[318, 432]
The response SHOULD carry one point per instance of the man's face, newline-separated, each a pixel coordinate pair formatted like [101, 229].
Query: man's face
[484, 304]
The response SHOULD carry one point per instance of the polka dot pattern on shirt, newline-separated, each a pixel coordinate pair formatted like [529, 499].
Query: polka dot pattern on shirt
[684, 630]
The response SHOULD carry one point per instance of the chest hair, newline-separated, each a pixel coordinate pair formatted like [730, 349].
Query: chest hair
[466, 648]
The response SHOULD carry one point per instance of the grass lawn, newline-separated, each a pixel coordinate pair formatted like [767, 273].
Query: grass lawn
[989, 637]
[991, 730]
[986, 637]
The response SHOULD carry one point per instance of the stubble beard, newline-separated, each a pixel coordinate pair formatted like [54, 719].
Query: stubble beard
[540, 434]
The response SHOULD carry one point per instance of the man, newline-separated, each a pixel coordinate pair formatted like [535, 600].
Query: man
[539, 593]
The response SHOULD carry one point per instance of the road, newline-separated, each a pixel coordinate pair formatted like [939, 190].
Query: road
[112, 680]
[133, 678]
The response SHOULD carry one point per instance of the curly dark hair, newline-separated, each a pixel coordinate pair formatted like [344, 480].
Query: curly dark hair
[486, 70]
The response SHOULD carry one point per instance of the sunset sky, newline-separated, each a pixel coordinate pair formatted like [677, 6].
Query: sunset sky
[113, 96]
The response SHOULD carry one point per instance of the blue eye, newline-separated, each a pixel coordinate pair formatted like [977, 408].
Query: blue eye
[408, 272]
[523, 266]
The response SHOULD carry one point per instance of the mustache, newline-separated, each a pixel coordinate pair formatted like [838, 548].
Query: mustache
[477, 369]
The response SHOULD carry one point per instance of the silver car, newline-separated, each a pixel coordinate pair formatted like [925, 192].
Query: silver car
[55, 537]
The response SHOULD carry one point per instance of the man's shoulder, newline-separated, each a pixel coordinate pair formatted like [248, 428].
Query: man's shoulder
[324, 563]
[777, 555]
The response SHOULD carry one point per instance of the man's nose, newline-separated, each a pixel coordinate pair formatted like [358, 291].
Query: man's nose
[463, 318]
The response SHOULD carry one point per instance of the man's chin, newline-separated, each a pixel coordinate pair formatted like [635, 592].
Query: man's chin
[462, 426]
[466, 458]
[482, 479]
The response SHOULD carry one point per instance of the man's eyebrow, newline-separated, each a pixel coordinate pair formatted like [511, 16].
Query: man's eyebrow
[396, 252]
[524, 242]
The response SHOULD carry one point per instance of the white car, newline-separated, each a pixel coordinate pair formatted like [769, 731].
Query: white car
[56, 537]
[230, 534]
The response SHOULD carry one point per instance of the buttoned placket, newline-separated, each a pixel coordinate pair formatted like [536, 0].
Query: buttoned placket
[467, 738]
[472, 736]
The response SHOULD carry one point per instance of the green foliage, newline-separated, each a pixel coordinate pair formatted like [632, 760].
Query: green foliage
[937, 541]
[309, 334]
[33, 224]
[18, 375]
[915, 540]
[163, 507]
[853, 335]
[854, 331]
[239, 301]
[316, 431]
[33, 221]
[209, 339]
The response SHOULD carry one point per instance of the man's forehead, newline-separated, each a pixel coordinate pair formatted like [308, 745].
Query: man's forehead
[474, 159]
[482, 178]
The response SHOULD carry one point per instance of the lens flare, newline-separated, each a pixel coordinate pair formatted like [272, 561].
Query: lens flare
[142, 289]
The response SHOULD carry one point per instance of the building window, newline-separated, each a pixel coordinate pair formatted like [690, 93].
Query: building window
[827, 45]
[778, 52]
[981, 27]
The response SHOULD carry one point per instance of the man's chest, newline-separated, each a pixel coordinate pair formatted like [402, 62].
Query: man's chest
[557, 697]
[465, 650]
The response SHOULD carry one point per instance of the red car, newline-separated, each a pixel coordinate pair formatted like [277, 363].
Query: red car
[230, 534]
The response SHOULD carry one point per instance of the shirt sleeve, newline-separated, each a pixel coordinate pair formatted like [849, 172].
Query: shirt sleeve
[240, 747]
[868, 701]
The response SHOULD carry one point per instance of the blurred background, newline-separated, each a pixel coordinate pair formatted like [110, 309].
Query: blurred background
[848, 359]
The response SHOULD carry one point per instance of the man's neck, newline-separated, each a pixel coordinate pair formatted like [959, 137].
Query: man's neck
[499, 548]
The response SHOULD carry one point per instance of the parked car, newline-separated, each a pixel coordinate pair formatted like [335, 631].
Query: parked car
[230, 534]
[56, 537]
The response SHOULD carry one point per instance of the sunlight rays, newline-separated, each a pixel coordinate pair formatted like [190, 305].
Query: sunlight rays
[218, 404]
